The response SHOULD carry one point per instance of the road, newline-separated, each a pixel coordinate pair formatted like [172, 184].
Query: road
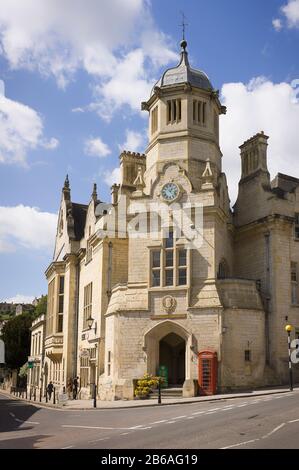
[265, 422]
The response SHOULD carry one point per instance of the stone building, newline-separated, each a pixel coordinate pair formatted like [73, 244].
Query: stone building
[129, 292]
[36, 380]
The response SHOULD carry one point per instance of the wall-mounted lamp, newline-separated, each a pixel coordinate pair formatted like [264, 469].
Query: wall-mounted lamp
[224, 329]
[90, 322]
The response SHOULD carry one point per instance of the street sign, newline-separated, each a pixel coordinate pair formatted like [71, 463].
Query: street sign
[30, 364]
[62, 398]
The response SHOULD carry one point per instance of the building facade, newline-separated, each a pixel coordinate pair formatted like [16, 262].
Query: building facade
[36, 382]
[131, 289]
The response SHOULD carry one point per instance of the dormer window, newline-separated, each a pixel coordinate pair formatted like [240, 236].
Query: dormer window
[199, 112]
[174, 111]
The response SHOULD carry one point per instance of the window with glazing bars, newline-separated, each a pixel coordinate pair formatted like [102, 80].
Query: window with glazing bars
[60, 305]
[169, 265]
[294, 283]
[87, 309]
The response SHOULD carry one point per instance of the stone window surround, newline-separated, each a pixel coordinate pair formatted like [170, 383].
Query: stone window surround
[180, 244]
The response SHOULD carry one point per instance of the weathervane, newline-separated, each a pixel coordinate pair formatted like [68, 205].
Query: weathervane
[183, 24]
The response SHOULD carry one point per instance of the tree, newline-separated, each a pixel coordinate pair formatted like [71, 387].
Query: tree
[41, 308]
[16, 335]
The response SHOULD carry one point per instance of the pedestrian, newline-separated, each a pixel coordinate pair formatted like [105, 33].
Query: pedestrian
[69, 388]
[50, 389]
[75, 387]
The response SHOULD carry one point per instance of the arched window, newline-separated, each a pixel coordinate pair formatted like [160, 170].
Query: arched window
[223, 270]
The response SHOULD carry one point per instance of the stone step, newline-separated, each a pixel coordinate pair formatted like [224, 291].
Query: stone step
[172, 392]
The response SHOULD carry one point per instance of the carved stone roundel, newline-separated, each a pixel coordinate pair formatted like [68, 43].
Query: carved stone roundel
[169, 303]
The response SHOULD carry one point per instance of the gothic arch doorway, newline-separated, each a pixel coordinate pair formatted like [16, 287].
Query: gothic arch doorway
[172, 352]
[162, 343]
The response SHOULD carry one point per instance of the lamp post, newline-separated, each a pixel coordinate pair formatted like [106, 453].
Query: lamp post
[288, 329]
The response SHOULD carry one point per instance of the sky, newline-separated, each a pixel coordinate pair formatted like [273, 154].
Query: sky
[72, 76]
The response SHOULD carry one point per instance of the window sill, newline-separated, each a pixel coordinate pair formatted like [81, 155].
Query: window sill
[170, 288]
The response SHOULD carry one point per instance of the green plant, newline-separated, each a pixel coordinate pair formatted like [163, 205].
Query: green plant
[145, 385]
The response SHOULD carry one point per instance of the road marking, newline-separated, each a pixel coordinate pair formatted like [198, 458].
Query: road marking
[198, 412]
[240, 406]
[179, 417]
[214, 409]
[294, 421]
[170, 422]
[136, 427]
[211, 412]
[27, 422]
[93, 427]
[227, 408]
[240, 444]
[11, 414]
[123, 434]
[68, 447]
[97, 440]
[158, 422]
[274, 430]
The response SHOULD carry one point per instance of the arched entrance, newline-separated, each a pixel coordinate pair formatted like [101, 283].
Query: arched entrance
[169, 343]
[172, 356]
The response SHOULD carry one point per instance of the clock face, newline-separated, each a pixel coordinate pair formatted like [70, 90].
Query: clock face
[170, 191]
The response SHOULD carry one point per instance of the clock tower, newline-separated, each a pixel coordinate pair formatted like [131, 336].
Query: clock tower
[184, 114]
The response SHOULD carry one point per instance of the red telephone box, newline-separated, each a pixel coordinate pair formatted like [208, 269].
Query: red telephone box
[207, 372]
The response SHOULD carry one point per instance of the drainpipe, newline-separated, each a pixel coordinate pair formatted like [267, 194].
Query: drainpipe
[268, 296]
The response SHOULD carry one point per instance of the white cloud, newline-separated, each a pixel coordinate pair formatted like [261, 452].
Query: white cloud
[96, 148]
[51, 144]
[260, 105]
[26, 227]
[277, 24]
[20, 299]
[112, 176]
[21, 130]
[129, 85]
[134, 142]
[291, 11]
[58, 38]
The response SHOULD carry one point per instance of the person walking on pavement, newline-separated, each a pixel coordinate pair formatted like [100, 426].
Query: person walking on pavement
[75, 387]
[50, 389]
[69, 388]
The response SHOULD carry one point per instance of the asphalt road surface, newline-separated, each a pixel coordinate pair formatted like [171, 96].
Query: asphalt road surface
[265, 422]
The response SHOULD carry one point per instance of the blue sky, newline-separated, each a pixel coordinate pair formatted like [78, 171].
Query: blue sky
[73, 74]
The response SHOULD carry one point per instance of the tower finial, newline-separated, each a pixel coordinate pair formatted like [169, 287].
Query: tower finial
[94, 192]
[66, 183]
[183, 25]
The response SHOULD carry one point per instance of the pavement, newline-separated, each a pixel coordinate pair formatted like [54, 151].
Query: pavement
[268, 421]
[123, 404]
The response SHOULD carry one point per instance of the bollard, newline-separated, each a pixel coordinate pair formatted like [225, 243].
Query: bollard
[34, 394]
[95, 396]
[26, 393]
[40, 394]
[46, 396]
[159, 391]
[54, 399]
